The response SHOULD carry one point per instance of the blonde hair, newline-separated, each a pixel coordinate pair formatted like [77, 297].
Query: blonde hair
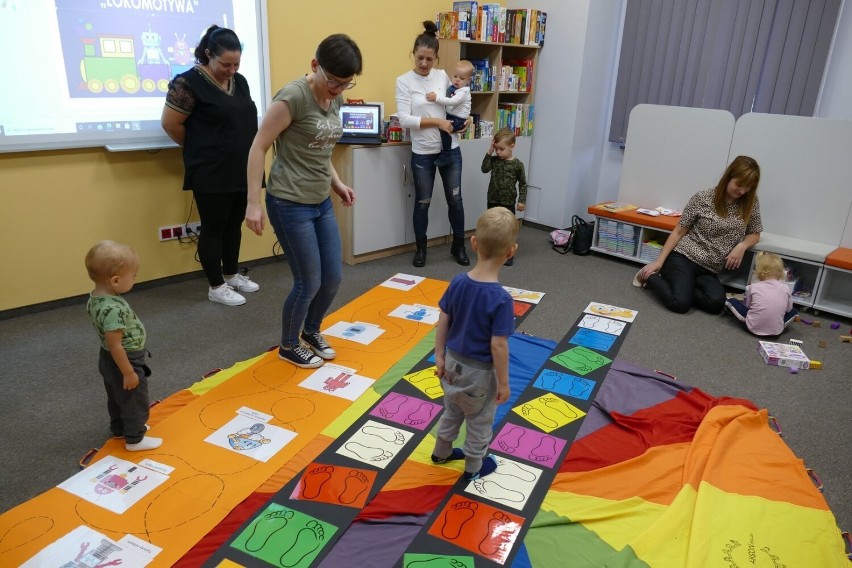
[108, 258]
[506, 135]
[465, 67]
[769, 266]
[745, 170]
[496, 232]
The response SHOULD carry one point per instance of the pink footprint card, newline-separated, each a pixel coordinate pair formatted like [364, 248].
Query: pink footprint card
[407, 410]
[529, 445]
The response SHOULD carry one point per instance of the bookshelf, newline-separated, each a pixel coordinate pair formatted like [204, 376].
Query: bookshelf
[487, 102]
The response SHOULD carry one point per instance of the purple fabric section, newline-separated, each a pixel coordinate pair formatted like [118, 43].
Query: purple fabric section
[374, 543]
[622, 392]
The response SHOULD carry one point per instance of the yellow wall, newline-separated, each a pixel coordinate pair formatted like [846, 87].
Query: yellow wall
[55, 204]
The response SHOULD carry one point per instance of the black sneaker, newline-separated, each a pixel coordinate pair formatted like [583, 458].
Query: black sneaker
[318, 345]
[300, 357]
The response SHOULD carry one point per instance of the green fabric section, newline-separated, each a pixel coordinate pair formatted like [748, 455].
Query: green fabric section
[554, 540]
[404, 365]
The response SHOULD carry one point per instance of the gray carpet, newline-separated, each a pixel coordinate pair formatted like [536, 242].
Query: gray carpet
[53, 409]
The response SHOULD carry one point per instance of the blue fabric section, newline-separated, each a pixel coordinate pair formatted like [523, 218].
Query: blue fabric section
[526, 356]
[522, 559]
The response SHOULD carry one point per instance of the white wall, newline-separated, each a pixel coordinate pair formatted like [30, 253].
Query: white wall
[572, 162]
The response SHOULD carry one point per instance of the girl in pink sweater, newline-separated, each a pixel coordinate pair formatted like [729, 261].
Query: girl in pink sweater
[768, 306]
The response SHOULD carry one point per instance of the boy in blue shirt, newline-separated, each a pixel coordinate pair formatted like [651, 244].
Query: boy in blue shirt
[472, 346]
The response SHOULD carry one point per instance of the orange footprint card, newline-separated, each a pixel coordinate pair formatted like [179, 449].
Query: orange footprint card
[335, 484]
[477, 527]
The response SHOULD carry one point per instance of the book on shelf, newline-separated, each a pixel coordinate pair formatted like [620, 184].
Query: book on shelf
[490, 22]
[471, 10]
[447, 23]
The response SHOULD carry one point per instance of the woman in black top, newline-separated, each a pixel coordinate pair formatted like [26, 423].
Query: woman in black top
[210, 113]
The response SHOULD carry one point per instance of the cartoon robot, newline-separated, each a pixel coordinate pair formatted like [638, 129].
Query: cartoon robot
[248, 438]
[338, 382]
[151, 52]
[182, 53]
[354, 330]
[107, 482]
[416, 316]
[94, 558]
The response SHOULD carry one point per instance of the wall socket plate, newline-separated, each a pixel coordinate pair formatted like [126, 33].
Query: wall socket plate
[172, 232]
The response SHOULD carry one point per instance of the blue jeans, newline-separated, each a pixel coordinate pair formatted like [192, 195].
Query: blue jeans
[310, 239]
[449, 164]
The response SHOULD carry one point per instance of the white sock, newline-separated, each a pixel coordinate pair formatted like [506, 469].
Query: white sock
[146, 443]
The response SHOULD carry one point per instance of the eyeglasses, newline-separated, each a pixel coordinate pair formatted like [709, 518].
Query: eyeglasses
[335, 84]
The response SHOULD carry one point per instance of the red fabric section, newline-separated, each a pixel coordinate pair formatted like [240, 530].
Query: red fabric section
[416, 501]
[204, 548]
[629, 436]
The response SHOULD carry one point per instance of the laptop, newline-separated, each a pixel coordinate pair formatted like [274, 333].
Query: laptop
[362, 124]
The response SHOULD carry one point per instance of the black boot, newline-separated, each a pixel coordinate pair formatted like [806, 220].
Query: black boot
[420, 253]
[458, 252]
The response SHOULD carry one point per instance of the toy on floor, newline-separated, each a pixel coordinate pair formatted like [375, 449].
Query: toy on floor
[806, 321]
[797, 342]
[815, 365]
[846, 338]
[835, 325]
[821, 343]
[816, 323]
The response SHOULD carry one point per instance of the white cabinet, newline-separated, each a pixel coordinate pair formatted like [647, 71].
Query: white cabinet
[834, 293]
[383, 186]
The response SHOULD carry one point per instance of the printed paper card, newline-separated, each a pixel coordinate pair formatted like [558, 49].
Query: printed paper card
[510, 485]
[335, 484]
[606, 310]
[564, 383]
[407, 410]
[338, 381]
[522, 295]
[417, 313]
[114, 484]
[375, 443]
[401, 281]
[359, 332]
[284, 537]
[249, 435]
[605, 325]
[581, 360]
[549, 412]
[426, 381]
[592, 339]
[86, 547]
[540, 449]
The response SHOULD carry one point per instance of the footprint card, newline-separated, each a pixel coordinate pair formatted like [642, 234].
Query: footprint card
[606, 310]
[533, 446]
[284, 537]
[520, 308]
[549, 412]
[401, 281]
[478, 527]
[407, 410]
[359, 332]
[247, 435]
[417, 313]
[83, 546]
[564, 383]
[581, 360]
[592, 339]
[510, 485]
[427, 382]
[522, 295]
[410, 560]
[375, 443]
[338, 381]
[602, 324]
[114, 484]
[335, 484]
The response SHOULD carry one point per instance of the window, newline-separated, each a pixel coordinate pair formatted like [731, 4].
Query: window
[738, 55]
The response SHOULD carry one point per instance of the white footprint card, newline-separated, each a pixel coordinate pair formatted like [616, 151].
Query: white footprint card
[338, 381]
[86, 547]
[249, 435]
[417, 313]
[402, 281]
[522, 295]
[510, 485]
[359, 332]
[606, 310]
[602, 324]
[375, 443]
[113, 483]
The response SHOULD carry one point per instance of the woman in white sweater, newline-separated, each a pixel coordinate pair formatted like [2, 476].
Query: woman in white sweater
[426, 120]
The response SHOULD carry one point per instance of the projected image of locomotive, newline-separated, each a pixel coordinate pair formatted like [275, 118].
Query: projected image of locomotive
[114, 50]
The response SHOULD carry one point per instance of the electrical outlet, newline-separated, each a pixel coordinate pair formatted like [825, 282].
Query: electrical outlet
[193, 228]
[165, 233]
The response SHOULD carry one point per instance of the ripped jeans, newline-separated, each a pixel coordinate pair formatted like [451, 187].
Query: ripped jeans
[449, 164]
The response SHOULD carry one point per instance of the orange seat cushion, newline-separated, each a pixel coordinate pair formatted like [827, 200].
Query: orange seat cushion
[840, 258]
[660, 222]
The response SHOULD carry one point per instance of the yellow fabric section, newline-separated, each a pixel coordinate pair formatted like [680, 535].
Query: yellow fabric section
[208, 481]
[206, 385]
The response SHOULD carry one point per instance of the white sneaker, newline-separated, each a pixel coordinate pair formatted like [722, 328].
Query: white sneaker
[224, 294]
[146, 443]
[242, 283]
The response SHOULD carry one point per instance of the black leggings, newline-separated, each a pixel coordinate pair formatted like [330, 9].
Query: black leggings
[681, 284]
[221, 217]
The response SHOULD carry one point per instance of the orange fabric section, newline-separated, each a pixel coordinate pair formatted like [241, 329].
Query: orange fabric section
[840, 258]
[660, 222]
[207, 482]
